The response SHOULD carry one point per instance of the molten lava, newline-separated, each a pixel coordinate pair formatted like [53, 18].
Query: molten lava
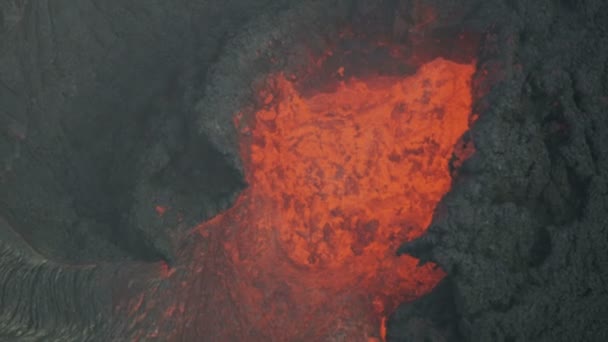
[337, 181]
[351, 174]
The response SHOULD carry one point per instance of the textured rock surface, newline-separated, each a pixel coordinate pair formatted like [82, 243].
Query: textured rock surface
[94, 124]
[97, 130]
[95, 142]
[525, 232]
[41, 299]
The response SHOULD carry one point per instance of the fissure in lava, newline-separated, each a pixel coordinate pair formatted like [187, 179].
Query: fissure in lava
[337, 181]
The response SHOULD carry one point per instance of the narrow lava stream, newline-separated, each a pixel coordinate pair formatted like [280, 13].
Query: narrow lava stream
[337, 181]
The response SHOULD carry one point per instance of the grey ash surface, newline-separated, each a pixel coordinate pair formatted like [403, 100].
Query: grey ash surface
[100, 107]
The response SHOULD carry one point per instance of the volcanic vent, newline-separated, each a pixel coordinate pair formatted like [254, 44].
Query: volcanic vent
[346, 154]
[347, 119]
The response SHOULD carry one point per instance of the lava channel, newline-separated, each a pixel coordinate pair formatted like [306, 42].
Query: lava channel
[337, 181]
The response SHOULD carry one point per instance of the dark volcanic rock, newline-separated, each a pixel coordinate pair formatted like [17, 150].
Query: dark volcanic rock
[116, 134]
[525, 235]
[432, 318]
[95, 128]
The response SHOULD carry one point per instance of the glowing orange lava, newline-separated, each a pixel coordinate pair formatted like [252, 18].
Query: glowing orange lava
[337, 181]
[350, 174]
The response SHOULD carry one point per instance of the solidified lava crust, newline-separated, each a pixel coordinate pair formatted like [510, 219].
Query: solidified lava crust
[337, 181]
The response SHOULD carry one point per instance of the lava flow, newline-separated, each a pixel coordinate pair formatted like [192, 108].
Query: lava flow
[337, 181]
